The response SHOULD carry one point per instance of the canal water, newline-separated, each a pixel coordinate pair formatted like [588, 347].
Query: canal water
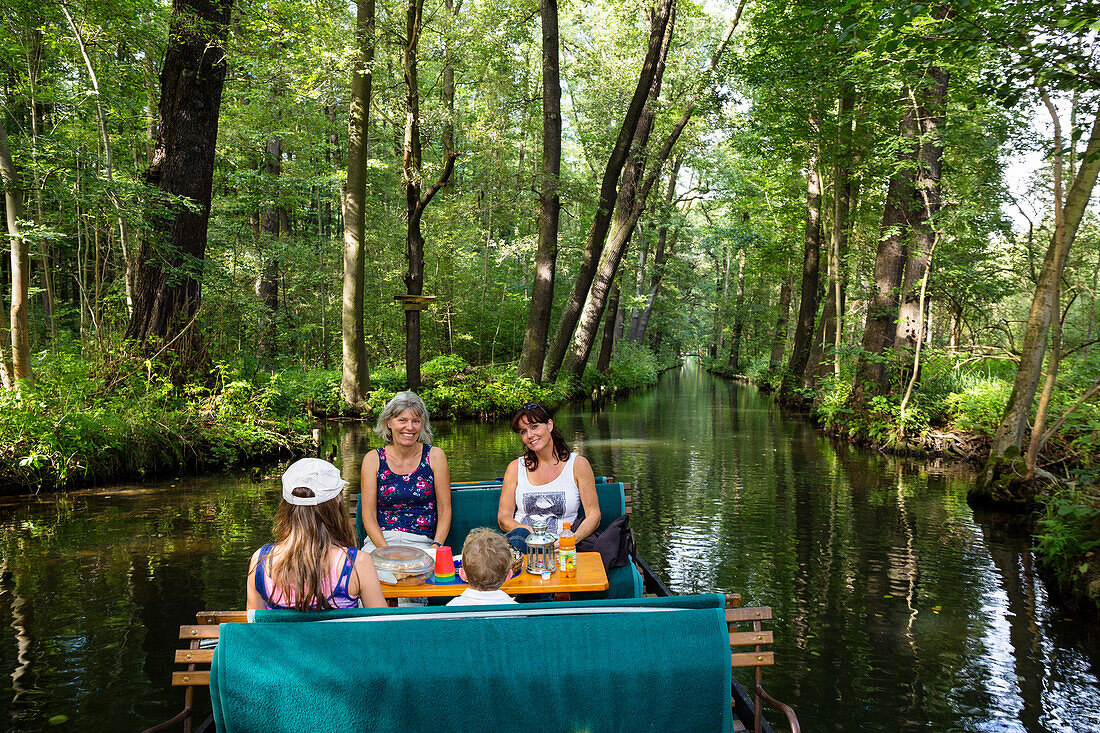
[896, 607]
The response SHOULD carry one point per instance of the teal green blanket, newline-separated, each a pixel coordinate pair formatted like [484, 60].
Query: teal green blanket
[687, 601]
[637, 669]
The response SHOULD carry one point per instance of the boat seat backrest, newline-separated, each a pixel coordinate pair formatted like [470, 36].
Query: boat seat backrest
[477, 507]
[624, 668]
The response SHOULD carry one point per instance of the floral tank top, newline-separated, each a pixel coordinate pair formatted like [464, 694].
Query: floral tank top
[407, 501]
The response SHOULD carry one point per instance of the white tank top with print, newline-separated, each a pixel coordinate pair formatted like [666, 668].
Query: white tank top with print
[557, 502]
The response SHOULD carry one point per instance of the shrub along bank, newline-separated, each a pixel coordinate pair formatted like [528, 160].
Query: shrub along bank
[86, 422]
[90, 421]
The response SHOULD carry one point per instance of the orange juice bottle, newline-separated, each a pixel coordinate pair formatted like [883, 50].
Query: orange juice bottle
[567, 552]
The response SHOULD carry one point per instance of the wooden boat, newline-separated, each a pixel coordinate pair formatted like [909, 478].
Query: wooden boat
[637, 590]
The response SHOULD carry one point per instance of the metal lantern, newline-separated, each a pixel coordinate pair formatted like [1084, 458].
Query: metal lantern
[540, 549]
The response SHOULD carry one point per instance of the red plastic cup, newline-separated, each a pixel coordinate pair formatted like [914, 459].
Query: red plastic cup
[444, 565]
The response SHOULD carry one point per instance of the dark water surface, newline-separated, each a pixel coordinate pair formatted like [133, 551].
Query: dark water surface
[897, 608]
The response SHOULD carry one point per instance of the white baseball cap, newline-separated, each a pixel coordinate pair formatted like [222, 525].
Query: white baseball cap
[321, 477]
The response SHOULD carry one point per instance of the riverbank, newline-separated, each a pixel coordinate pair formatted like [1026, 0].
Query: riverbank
[87, 422]
[958, 424]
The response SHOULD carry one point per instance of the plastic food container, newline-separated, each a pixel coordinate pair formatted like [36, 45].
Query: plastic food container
[399, 565]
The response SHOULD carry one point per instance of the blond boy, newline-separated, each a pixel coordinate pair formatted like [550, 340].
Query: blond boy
[486, 564]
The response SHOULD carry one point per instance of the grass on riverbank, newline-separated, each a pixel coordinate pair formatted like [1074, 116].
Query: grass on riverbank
[94, 420]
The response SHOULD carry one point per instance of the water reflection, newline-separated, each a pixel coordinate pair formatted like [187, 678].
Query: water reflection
[896, 608]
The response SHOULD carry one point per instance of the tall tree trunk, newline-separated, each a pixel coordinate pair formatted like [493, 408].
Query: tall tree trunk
[843, 187]
[416, 197]
[603, 361]
[355, 371]
[721, 293]
[167, 287]
[808, 299]
[824, 333]
[628, 207]
[267, 283]
[627, 218]
[779, 336]
[19, 364]
[997, 482]
[738, 319]
[665, 246]
[542, 290]
[601, 220]
[929, 102]
[872, 376]
[108, 161]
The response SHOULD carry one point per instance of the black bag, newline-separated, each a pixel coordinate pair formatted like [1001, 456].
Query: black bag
[615, 543]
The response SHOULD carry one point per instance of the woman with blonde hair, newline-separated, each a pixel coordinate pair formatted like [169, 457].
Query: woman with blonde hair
[406, 484]
[314, 564]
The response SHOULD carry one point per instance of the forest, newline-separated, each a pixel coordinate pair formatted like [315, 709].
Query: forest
[227, 217]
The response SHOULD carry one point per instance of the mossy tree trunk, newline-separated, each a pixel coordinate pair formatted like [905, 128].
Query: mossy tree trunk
[167, 286]
[355, 372]
[811, 273]
[546, 256]
[601, 220]
[1005, 480]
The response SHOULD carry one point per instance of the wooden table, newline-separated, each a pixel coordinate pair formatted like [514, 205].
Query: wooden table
[590, 576]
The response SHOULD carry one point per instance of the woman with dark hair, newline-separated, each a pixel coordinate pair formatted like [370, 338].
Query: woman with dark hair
[547, 482]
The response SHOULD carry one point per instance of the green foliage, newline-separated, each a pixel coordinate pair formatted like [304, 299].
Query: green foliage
[830, 402]
[1068, 537]
[84, 422]
[453, 389]
[977, 407]
[632, 367]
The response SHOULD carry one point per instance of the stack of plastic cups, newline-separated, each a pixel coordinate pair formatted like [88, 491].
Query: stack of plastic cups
[444, 565]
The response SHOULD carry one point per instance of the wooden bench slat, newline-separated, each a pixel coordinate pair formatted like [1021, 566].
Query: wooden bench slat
[202, 631]
[187, 679]
[750, 638]
[221, 617]
[760, 613]
[752, 659]
[194, 656]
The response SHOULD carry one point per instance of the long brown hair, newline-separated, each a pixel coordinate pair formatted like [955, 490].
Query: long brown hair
[300, 573]
[535, 413]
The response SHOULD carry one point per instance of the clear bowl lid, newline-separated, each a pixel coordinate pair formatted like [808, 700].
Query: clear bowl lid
[402, 559]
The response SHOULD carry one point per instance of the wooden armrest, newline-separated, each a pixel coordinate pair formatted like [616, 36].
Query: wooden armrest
[758, 657]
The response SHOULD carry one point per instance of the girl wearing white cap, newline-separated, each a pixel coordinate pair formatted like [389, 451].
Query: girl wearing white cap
[314, 563]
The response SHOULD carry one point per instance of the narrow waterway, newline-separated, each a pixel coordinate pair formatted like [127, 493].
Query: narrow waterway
[896, 607]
